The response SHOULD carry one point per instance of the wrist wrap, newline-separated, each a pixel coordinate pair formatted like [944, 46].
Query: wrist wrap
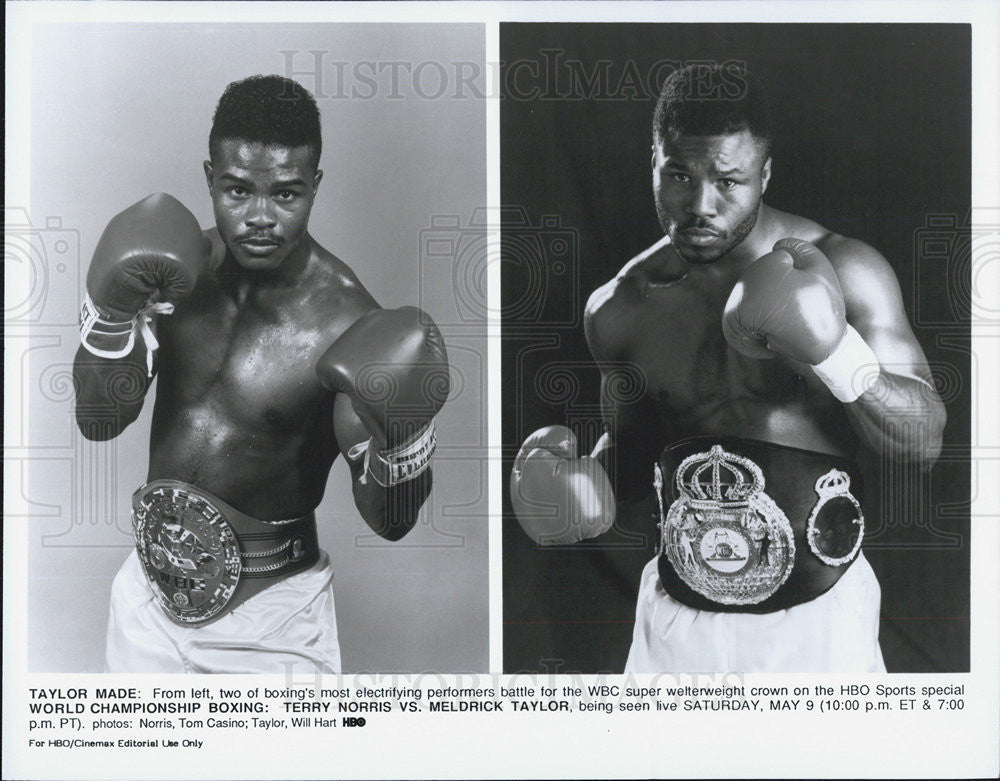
[107, 338]
[851, 369]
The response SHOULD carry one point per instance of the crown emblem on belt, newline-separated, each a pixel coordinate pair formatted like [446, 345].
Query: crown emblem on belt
[832, 483]
[723, 535]
[718, 477]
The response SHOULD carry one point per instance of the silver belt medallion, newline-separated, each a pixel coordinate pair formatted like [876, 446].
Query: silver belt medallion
[723, 535]
[189, 551]
[836, 524]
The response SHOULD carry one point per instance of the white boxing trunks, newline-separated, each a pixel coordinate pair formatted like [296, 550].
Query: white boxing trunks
[290, 627]
[835, 632]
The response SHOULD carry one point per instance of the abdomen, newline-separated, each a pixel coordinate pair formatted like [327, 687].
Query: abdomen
[269, 472]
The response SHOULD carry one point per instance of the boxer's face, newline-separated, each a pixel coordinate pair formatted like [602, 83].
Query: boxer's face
[262, 196]
[708, 191]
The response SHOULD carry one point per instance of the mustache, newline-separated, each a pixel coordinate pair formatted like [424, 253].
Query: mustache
[258, 236]
[698, 223]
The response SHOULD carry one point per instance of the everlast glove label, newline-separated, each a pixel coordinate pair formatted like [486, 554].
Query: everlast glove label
[189, 551]
[836, 524]
[723, 535]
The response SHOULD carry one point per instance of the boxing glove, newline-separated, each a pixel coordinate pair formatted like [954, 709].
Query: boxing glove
[152, 250]
[560, 498]
[393, 365]
[789, 303]
[155, 245]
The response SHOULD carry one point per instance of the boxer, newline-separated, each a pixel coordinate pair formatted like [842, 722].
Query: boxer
[273, 360]
[771, 349]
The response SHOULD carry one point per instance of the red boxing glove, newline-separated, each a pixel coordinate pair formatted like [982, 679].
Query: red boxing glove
[788, 303]
[557, 497]
[393, 365]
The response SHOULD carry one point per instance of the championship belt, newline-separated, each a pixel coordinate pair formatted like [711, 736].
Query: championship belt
[203, 557]
[749, 526]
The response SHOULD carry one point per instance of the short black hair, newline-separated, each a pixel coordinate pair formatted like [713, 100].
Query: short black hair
[709, 99]
[271, 110]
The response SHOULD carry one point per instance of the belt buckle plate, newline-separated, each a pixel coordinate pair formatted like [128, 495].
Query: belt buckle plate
[189, 552]
[723, 535]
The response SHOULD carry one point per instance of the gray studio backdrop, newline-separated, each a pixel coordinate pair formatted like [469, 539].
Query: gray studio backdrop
[121, 111]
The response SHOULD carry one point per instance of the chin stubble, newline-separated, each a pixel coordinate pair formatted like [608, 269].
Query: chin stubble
[739, 233]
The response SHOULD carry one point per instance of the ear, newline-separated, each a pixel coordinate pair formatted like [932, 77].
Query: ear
[316, 180]
[652, 159]
[208, 173]
[765, 175]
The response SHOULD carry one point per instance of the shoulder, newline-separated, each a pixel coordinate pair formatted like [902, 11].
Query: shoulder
[855, 261]
[614, 308]
[866, 277]
[850, 257]
[336, 289]
[607, 314]
[782, 224]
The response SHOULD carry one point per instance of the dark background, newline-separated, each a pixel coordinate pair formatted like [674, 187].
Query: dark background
[873, 141]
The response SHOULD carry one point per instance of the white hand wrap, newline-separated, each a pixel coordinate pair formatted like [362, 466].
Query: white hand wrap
[401, 463]
[851, 369]
[115, 339]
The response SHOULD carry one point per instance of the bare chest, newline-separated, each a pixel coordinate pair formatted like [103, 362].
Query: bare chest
[252, 362]
[693, 373]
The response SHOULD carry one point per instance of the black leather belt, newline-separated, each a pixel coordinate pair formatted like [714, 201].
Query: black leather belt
[204, 557]
[754, 527]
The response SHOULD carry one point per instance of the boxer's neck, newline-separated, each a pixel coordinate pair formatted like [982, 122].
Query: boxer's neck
[293, 272]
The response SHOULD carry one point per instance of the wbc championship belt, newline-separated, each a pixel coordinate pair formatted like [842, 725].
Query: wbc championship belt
[750, 526]
[203, 557]
[724, 535]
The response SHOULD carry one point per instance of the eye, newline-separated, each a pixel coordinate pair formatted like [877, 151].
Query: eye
[237, 191]
[680, 178]
[727, 184]
[286, 195]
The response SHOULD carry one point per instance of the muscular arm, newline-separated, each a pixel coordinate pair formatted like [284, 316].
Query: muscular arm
[901, 414]
[391, 512]
[632, 439]
[154, 250]
[109, 392]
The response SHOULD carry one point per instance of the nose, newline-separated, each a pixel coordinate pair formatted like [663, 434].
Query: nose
[259, 213]
[702, 203]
